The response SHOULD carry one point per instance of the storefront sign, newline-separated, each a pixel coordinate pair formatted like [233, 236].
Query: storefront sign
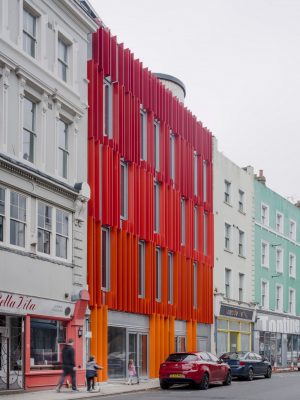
[236, 312]
[276, 324]
[20, 304]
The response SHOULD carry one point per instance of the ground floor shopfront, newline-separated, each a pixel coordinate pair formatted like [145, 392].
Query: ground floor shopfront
[32, 333]
[118, 337]
[277, 337]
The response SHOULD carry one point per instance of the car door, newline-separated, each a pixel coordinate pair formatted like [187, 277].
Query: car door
[218, 367]
[261, 365]
[210, 365]
[254, 362]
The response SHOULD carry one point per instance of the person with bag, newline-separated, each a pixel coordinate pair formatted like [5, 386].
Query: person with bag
[91, 373]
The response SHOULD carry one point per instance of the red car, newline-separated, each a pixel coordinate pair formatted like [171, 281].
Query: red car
[197, 369]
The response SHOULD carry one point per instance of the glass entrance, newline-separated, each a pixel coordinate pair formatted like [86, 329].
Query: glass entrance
[11, 352]
[233, 341]
[138, 352]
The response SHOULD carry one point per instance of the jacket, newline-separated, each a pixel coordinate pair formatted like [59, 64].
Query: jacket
[91, 369]
[68, 356]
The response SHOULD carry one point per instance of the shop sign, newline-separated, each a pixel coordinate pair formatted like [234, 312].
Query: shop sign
[236, 312]
[276, 324]
[20, 304]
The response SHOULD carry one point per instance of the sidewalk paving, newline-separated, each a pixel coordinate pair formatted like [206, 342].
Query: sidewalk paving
[66, 394]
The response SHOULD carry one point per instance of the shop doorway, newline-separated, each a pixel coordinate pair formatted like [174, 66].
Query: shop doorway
[233, 341]
[138, 352]
[11, 352]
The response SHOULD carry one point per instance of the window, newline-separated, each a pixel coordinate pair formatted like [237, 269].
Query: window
[195, 275]
[292, 306]
[45, 337]
[156, 145]
[124, 190]
[265, 254]
[62, 233]
[292, 265]
[63, 153]
[44, 223]
[279, 260]
[141, 268]
[279, 298]
[241, 243]
[183, 221]
[158, 274]
[17, 219]
[279, 222]
[241, 201]
[265, 214]
[2, 213]
[195, 174]
[29, 33]
[62, 59]
[205, 233]
[204, 181]
[195, 228]
[28, 129]
[170, 277]
[292, 230]
[241, 286]
[227, 192]
[172, 157]
[156, 207]
[227, 236]
[107, 105]
[227, 282]
[105, 272]
[143, 123]
[264, 294]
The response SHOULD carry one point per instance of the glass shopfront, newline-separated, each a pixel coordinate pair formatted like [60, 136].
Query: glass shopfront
[293, 349]
[233, 335]
[270, 347]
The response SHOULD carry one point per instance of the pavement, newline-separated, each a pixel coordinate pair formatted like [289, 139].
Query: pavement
[104, 389]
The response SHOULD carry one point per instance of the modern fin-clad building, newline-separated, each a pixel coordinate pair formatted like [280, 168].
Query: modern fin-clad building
[150, 224]
[277, 276]
[234, 254]
[43, 188]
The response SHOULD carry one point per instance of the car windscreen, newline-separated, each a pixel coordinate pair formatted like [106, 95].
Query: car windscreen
[234, 356]
[180, 357]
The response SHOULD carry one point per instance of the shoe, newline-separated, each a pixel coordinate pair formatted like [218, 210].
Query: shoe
[75, 390]
[57, 389]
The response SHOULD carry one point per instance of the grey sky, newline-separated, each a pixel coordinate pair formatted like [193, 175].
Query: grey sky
[240, 62]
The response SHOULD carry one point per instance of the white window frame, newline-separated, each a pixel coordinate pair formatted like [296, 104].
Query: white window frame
[265, 263]
[195, 285]
[69, 236]
[107, 116]
[279, 299]
[62, 150]
[183, 220]
[156, 213]
[279, 227]
[3, 214]
[293, 273]
[106, 287]
[9, 219]
[31, 132]
[35, 15]
[142, 268]
[172, 157]
[227, 237]
[279, 259]
[195, 174]
[170, 277]
[227, 192]
[292, 304]
[158, 277]
[242, 252]
[227, 281]
[241, 286]
[52, 231]
[143, 134]
[292, 231]
[265, 216]
[196, 228]
[241, 201]
[65, 63]
[156, 135]
[264, 304]
[124, 192]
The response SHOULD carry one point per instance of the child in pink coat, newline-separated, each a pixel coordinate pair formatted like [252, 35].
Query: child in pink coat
[131, 372]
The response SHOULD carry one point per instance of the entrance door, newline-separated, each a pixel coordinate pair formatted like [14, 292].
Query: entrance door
[233, 341]
[138, 352]
[11, 352]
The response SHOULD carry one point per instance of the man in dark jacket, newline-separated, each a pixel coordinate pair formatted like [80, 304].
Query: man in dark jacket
[68, 365]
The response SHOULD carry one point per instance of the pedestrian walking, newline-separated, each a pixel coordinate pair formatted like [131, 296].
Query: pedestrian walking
[68, 365]
[131, 372]
[91, 372]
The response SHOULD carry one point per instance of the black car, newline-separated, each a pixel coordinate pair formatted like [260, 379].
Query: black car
[245, 364]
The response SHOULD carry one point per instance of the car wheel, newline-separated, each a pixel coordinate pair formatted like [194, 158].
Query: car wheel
[298, 369]
[164, 385]
[250, 375]
[269, 373]
[228, 379]
[205, 382]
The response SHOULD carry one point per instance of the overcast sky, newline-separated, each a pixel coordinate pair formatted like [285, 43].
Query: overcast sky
[240, 62]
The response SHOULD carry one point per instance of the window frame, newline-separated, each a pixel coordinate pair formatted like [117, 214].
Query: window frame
[279, 300]
[241, 201]
[279, 261]
[172, 157]
[158, 277]
[227, 238]
[170, 277]
[265, 304]
[228, 273]
[124, 192]
[265, 264]
[292, 310]
[156, 147]
[293, 256]
[33, 38]
[227, 192]
[61, 150]
[52, 235]
[17, 220]
[242, 252]
[279, 229]
[107, 110]
[31, 132]
[142, 261]
[265, 218]
[293, 232]
[106, 287]
[156, 213]
[196, 246]
[204, 166]
[65, 63]
[68, 237]
[241, 286]
[195, 285]
[3, 203]
[205, 233]
[183, 220]
[195, 174]
[143, 134]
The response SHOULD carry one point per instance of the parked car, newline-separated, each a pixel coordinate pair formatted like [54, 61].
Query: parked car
[246, 364]
[199, 369]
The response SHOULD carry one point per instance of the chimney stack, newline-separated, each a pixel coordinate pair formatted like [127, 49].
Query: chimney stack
[261, 178]
[297, 204]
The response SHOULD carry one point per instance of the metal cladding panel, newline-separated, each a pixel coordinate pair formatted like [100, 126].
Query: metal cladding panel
[135, 86]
